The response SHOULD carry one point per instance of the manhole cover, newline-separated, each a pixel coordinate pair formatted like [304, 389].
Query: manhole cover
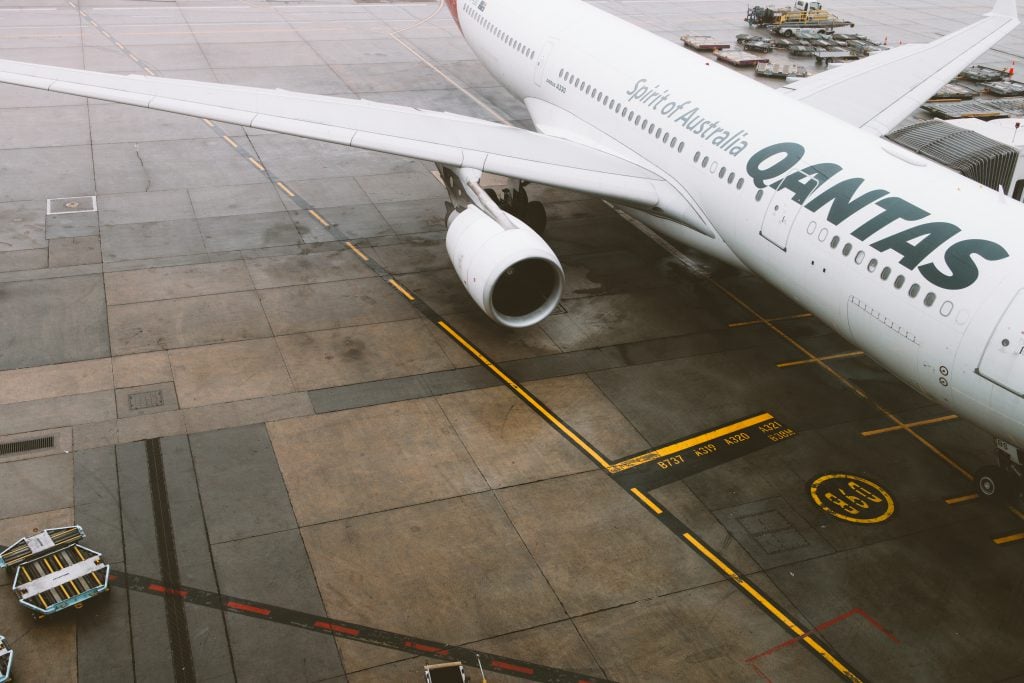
[62, 205]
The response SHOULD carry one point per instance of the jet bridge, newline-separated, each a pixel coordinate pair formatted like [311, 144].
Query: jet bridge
[968, 152]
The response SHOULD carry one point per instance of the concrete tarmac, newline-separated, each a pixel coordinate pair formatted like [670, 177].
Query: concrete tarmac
[272, 325]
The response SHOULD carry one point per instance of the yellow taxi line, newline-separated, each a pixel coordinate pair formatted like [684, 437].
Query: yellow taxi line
[770, 606]
[403, 290]
[525, 395]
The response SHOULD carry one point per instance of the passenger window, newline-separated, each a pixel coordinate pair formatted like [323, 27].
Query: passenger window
[886, 272]
[900, 280]
[872, 265]
[914, 291]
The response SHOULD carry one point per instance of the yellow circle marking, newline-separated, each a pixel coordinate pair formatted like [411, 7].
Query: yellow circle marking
[852, 498]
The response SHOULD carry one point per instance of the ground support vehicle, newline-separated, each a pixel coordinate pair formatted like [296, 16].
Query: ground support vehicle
[53, 571]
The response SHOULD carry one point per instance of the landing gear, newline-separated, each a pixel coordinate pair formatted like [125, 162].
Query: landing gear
[991, 483]
[1005, 481]
[517, 202]
[512, 199]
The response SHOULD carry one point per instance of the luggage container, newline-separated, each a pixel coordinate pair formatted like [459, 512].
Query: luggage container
[53, 571]
[6, 660]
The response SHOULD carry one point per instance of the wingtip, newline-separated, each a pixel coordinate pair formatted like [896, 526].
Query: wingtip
[1005, 8]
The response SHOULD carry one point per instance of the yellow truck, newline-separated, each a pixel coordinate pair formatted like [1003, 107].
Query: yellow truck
[802, 15]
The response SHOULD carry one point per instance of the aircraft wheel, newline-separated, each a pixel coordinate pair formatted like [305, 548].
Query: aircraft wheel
[991, 483]
[536, 216]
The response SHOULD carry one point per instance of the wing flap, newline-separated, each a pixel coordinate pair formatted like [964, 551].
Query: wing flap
[877, 93]
[444, 138]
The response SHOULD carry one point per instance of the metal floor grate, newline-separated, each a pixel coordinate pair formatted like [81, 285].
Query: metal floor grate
[25, 446]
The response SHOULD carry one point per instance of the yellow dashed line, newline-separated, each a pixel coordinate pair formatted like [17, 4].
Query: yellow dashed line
[119, 45]
[134, 58]
[285, 189]
[149, 71]
[320, 218]
[772, 320]
[356, 249]
[230, 141]
[842, 380]
[208, 122]
[899, 427]
[962, 499]
[646, 501]
[523, 394]
[808, 361]
[256, 164]
[1013, 538]
[768, 605]
[402, 289]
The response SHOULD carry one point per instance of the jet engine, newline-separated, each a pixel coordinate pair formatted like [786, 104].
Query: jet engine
[510, 272]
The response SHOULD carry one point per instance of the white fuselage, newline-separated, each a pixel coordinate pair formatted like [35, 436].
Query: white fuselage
[917, 265]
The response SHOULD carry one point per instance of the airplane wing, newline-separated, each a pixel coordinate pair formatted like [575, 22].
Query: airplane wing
[879, 92]
[450, 139]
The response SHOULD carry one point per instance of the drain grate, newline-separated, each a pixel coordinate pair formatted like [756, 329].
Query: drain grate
[62, 205]
[146, 399]
[26, 446]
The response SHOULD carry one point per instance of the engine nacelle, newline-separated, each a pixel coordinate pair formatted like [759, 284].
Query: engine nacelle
[511, 274]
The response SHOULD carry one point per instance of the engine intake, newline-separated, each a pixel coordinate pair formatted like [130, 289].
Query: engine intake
[511, 274]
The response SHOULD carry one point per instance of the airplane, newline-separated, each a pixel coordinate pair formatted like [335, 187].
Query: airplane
[918, 266]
